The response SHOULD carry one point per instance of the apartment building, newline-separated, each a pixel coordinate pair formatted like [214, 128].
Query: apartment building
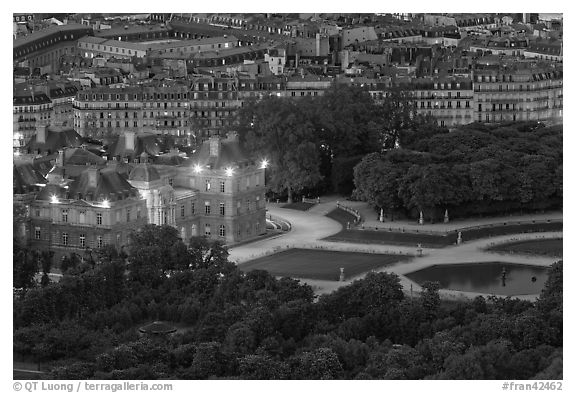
[45, 47]
[522, 92]
[104, 112]
[450, 100]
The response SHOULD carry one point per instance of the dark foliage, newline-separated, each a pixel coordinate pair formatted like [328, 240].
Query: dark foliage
[474, 170]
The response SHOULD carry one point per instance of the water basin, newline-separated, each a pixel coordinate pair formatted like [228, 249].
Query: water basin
[496, 278]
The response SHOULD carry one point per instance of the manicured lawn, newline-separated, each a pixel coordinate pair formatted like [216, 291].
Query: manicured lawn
[320, 264]
[387, 237]
[343, 217]
[303, 206]
[384, 236]
[546, 247]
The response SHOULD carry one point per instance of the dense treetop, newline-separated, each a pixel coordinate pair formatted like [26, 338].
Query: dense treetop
[475, 169]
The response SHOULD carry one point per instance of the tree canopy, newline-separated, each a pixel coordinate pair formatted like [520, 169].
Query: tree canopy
[475, 169]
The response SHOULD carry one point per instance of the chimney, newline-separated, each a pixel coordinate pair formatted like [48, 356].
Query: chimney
[214, 146]
[93, 177]
[130, 140]
[41, 133]
[60, 159]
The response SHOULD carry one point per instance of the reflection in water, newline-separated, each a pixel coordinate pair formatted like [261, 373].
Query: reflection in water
[491, 278]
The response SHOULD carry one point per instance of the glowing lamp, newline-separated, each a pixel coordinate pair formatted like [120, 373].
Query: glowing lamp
[229, 171]
[53, 199]
[264, 164]
[197, 168]
[106, 203]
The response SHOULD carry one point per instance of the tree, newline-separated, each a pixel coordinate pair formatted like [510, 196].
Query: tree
[321, 363]
[240, 338]
[491, 361]
[273, 128]
[397, 114]
[262, 367]
[155, 251]
[376, 292]
[205, 252]
[347, 120]
[24, 266]
[70, 263]
[208, 360]
[430, 299]
[46, 263]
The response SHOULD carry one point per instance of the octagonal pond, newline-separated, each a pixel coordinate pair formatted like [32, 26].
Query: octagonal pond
[486, 277]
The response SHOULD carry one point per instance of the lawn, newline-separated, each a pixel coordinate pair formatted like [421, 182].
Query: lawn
[545, 247]
[343, 217]
[384, 236]
[387, 237]
[320, 264]
[303, 206]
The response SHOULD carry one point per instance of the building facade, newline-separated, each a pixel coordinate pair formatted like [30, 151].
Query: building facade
[45, 47]
[449, 100]
[99, 208]
[518, 95]
[218, 193]
[104, 112]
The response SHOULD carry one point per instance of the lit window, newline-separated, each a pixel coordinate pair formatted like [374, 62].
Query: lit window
[207, 184]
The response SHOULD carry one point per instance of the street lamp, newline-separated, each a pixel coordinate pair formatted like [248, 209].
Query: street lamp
[264, 164]
[229, 171]
[106, 203]
[197, 168]
[53, 198]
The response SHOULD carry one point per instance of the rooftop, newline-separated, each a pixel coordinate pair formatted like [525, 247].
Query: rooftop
[129, 29]
[230, 154]
[56, 138]
[186, 43]
[37, 35]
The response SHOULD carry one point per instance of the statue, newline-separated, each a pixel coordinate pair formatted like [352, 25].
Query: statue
[421, 220]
